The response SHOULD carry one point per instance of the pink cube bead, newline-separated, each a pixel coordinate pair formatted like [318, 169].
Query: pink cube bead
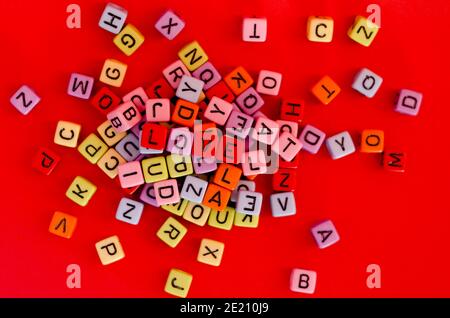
[269, 83]
[158, 110]
[138, 96]
[250, 101]
[130, 174]
[24, 99]
[204, 165]
[218, 111]
[174, 73]
[208, 74]
[180, 141]
[148, 195]
[169, 25]
[239, 124]
[166, 192]
[303, 281]
[325, 234]
[124, 117]
[289, 126]
[287, 146]
[265, 130]
[312, 138]
[254, 30]
[80, 86]
[409, 102]
[254, 163]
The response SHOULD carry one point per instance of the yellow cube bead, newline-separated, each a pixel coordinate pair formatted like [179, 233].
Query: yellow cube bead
[155, 169]
[179, 166]
[196, 213]
[113, 73]
[176, 208]
[320, 29]
[363, 31]
[178, 283]
[92, 148]
[109, 135]
[246, 220]
[67, 134]
[129, 39]
[110, 162]
[210, 252]
[193, 56]
[171, 232]
[81, 191]
[222, 220]
[109, 250]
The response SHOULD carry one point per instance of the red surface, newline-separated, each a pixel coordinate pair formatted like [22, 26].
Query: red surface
[399, 221]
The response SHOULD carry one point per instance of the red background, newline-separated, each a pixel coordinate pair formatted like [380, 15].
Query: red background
[399, 221]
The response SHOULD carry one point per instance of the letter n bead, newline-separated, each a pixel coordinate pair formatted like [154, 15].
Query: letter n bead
[24, 99]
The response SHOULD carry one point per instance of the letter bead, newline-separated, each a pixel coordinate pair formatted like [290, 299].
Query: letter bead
[178, 283]
[409, 102]
[340, 145]
[367, 83]
[110, 250]
[129, 39]
[312, 139]
[208, 74]
[326, 90]
[24, 99]
[124, 117]
[249, 202]
[325, 234]
[113, 18]
[169, 25]
[81, 191]
[67, 134]
[210, 252]
[130, 174]
[303, 281]
[363, 31]
[269, 83]
[283, 204]
[129, 211]
[320, 29]
[171, 232]
[254, 30]
[193, 189]
[113, 72]
[189, 89]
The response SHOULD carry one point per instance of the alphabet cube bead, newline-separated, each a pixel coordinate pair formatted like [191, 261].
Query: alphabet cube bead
[238, 81]
[154, 136]
[189, 89]
[124, 117]
[222, 220]
[138, 96]
[155, 169]
[166, 192]
[171, 232]
[254, 163]
[180, 141]
[92, 148]
[129, 39]
[292, 110]
[110, 163]
[265, 131]
[269, 83]
[175, 72]
[109, 135]
[340, 145]
[243, 185]
[203, 165]
[303, 281]
[148, 195]
[130, 174]
[409, 102]
[222, 91]
[67, 134]
[193, 56]
[129, 211]
[178, 283]
[254, 30]
[363, 31]
[176, 208]
[246, 220]
[80, 86]
[169, 25]
[250, 101]
[287, 146]
[394, 160]
[283, 204]
[239, 124]
[45, 161]
[288, 126]
[325, 234]
[320, 29]
[208, 74]
[63, 224]
[113, 18]
[105, 100]
[311, 139]
[210, 252]
[158, 110]
[113, 72]
[372, 141]
[216, 197]
[109, 250]
[160, 89]
[285, 180]
[249, 202]
[227, 176]
[218, 111]
[326, 90]
[185, 113]
[179, 166]
[367, 82]
[81, 191]
[193, 189]
[196, 213]
[128, 147]
[24, 99]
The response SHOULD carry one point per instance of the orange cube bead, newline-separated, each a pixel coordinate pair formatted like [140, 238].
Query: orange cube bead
[216, 197]
[227, 176]
[185, 113]
[326, 90]
[62, 224]
[238, 80]
[372, 141]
